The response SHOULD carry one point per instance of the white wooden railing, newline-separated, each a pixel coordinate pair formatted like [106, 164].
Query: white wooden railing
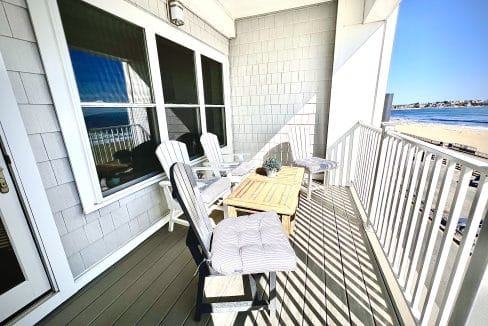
[106, 141]
[414, 194]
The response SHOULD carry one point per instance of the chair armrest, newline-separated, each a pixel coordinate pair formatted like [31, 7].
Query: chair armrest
[228, 165]
[165, 183]
[203, 168]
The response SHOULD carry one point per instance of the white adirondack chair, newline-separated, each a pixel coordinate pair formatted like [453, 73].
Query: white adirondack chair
[302, 152]
[213, 189]
[251, 246]
[236, 170]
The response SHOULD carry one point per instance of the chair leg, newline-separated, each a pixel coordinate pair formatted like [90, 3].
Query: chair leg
[326, 177]
[201, 286]
[272, 295]
[171, 223]
[309, 194]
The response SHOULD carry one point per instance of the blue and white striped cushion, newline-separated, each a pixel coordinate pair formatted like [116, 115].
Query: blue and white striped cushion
[316, 164]
[251, 244]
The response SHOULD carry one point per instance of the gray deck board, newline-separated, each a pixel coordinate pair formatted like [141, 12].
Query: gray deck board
[337, 281]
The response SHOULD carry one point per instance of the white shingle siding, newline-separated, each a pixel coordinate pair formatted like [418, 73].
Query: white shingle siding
[194, 25]
[19, 22]
[86, 238]
[20, 55]
[281, 68]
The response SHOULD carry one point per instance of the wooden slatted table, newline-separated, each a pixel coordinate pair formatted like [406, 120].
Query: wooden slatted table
[258, 193]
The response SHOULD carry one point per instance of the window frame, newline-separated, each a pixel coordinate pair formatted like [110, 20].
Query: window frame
[68, 105]
[223, 106]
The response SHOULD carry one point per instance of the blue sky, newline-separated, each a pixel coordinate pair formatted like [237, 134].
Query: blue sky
[440, 51]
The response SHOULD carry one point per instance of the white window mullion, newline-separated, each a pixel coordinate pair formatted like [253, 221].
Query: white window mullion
[200, 91]
[152, 54]
[227, 104]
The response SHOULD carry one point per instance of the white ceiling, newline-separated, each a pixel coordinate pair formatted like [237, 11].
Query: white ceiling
[245, 8]
[222, 13]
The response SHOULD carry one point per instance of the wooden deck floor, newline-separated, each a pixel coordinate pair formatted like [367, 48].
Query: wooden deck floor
[337, 281]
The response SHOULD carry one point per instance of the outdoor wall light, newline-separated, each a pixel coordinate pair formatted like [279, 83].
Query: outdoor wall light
[176, 12]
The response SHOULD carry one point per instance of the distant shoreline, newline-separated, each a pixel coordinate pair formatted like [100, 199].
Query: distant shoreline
[433, 124]
[438, 107]
[472, 136]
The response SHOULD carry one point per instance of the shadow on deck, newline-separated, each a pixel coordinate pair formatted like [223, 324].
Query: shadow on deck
[337, 280]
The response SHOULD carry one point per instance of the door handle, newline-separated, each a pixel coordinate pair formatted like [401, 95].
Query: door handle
[3, 183]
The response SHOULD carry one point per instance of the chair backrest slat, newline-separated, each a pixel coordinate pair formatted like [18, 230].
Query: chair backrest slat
[211, 147]
[300, 142]
[210, 144]
[188, 195]
[171, 151]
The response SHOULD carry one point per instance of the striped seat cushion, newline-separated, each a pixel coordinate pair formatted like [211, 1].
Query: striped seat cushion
[316, 164]
[251, 244]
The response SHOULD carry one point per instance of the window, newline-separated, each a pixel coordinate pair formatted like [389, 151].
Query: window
[177, 68]
[111, 70]
[214, 98]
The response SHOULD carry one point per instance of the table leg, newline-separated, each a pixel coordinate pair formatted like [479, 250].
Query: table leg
[229, 211]
[286, 221]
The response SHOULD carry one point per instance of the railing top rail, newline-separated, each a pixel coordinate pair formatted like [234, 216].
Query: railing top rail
[474, 163]
[116, 127]
[365, 125]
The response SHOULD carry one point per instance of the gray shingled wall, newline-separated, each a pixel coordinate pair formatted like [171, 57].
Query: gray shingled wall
[281, 70]
[87, 239]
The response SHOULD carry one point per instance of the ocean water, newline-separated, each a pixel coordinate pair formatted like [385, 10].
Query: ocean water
[472, 117]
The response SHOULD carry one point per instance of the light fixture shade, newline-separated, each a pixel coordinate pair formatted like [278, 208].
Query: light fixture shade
[176, 12]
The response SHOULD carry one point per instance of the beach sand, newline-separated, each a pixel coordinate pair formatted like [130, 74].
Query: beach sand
[470, 136]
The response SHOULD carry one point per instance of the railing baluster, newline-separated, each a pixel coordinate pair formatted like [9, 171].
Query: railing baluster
[423, 228]
[391, 192]
[463, 255]
[342, 162]
[445, 246]
[390, 231]
[370, 166]
[387, 184]
[401, 214]
[415, 213]
[366, 155]
[434, 229]
[349, 156]
[408, 213]
[379, 180]
[383, 183]
[362, 144]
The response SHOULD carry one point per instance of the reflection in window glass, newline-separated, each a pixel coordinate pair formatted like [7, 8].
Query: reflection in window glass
[216, 123]
[122, 145]
[110, 66]
[184, 126]
[214, 96]
[177, 66]
[212, 81]
[108, 55]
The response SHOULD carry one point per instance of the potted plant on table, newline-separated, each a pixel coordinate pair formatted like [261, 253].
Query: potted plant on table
[272, 166]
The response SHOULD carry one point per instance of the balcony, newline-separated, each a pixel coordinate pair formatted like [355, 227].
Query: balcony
[337, 280]
[394, 238]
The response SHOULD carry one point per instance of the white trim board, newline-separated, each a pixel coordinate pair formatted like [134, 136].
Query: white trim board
[55, 56]
[31, 188]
